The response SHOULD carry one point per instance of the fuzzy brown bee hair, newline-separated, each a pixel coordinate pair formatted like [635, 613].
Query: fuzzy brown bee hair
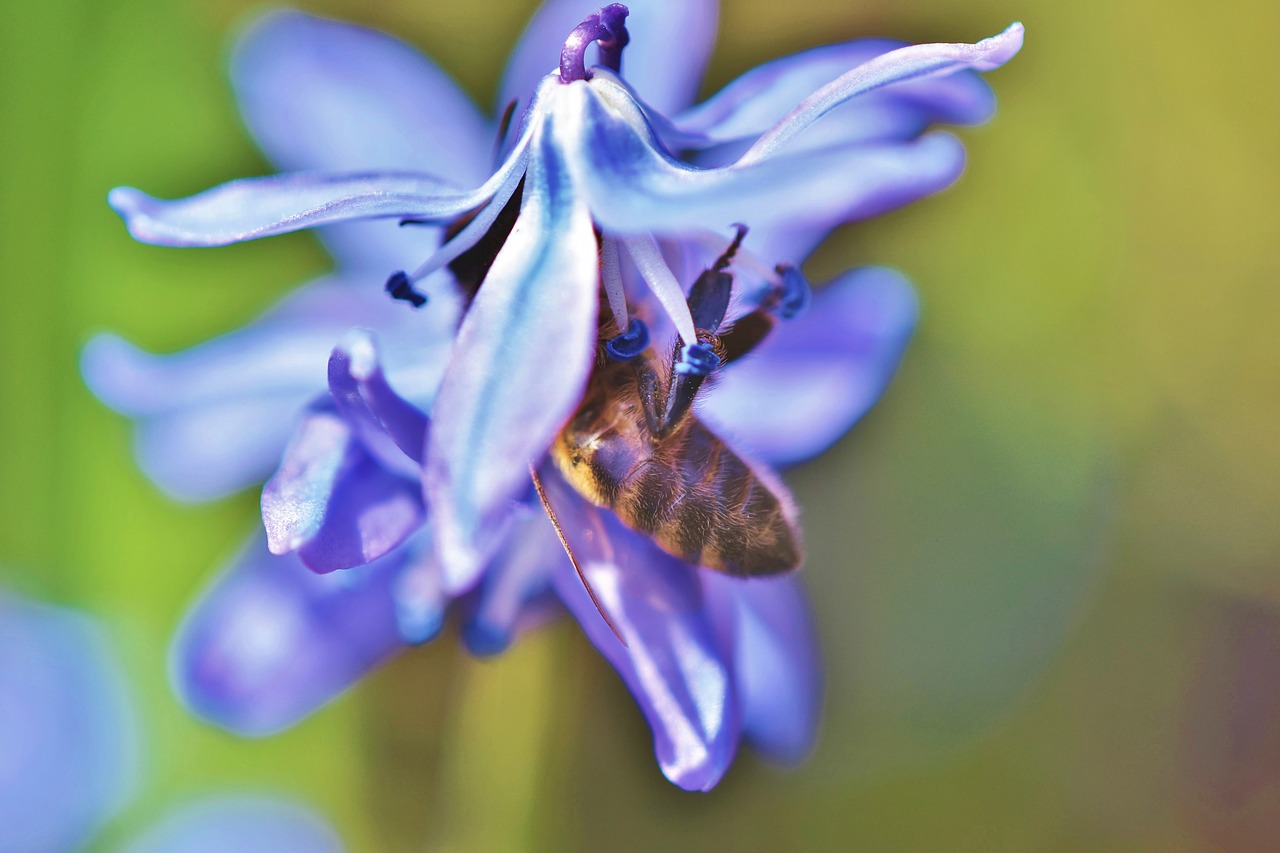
[635, 446]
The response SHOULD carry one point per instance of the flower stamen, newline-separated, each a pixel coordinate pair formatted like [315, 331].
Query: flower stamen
[399, 286]
[662, 282]
[471, 233]
[697, 360]
[793, 296]
[611, 278]
[629, 344]
[606, 28]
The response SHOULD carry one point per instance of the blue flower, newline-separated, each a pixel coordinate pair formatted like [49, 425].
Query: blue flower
[603, 204]
[238, 821]
[68, 736]
[69, 750]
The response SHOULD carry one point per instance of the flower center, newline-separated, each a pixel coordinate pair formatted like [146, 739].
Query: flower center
[605, 27]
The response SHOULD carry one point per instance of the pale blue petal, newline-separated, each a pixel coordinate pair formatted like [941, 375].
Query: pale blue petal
[332, 502]
[777, 668]
[672, 659]
[515, 593]
[269, 641]
[915, 62]
[518, 368]
[213, 419]
[217, 824]
[239, 441]
[670, 45]
[322, 95]
[816, 375]
[757, 100]
[250, 208]
[633, 186]
[377, 247]
[68, 736]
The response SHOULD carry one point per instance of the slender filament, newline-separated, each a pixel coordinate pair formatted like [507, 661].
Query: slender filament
[648, 259]
[611, 277]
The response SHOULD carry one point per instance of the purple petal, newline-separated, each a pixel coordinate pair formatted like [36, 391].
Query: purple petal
[215, 418]
[777, 669]
[672, 661]
[420, 596]
[334, 503]
[211, 450]
[754, 102]
[669, 48]
[68, 737]
[283, 351]
[817, 374]
[319, 94]
[260, 207]
[239, 822]
[515, 594]
[269, 641]
[365, 400]
[633, 186]
[899, 66]
[518, 368]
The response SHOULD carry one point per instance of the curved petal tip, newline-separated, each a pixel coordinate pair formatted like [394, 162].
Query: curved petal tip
[1002, 47]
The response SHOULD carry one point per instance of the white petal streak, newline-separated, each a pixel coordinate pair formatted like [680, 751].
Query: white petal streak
[518, 368]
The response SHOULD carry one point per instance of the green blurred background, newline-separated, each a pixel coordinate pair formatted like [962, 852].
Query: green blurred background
[1045, 568]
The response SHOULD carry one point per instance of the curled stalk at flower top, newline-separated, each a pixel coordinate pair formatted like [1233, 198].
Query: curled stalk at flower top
[608, 30]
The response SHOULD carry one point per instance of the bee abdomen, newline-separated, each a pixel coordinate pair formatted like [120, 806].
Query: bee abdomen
[706, 505]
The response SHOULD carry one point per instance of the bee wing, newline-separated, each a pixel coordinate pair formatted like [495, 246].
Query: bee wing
[735, 516]
[545, 497]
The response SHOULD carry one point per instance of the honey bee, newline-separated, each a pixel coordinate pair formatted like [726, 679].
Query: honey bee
[635, 446]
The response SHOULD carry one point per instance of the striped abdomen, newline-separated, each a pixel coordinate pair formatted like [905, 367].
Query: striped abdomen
[689, 491]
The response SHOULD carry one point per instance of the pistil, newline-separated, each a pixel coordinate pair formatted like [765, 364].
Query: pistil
[607, 28]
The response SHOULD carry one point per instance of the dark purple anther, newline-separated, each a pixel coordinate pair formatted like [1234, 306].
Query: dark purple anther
[630, 343]
[795, 293]
[399, 286]
[697, 360]
[606, 27]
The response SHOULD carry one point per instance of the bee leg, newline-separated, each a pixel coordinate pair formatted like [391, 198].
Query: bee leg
[655, 407]
[746, 333]
[787, 299]
[690, 365]
[665, 407]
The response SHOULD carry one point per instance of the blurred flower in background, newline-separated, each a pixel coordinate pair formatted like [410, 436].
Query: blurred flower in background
[68, 732]
[70, 751]
[220, 823]
[269, 642]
